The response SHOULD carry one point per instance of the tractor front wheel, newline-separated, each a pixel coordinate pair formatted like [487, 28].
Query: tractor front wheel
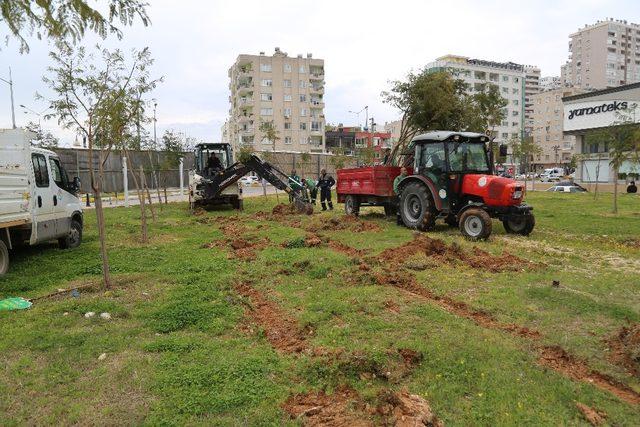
[522, 224]
[351, 205]
[416, 207]
[475, 224]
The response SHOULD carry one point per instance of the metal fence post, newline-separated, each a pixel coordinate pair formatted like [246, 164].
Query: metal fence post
[181, 168]
[125, 181]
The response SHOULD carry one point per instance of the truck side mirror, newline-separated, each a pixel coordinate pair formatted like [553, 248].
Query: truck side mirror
[503, 150]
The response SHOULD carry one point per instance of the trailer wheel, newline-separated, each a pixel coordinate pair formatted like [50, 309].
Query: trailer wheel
[4, 258]
[74, 238]
[351, 205]
[475, 224]
[416, 207]
[522, 224]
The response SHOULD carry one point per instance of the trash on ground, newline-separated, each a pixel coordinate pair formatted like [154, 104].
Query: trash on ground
[89, 314]
[14, 303]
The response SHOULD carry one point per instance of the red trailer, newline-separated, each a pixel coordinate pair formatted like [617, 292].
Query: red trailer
[370, 186]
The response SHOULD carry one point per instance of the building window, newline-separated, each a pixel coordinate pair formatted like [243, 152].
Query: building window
[267, 83]
[505, 135]
[301, 69]
[505, 78]
[287, 97]
[303, 140]
[303, 84]
[516, 102]
[287, 125]
[265, 67]
[315, 126]
[287, 68]
[266, 111]
[515, 91]
[266, 97]
[287, 140]
[286, 83]
[505, 90]
[516, 79]
[515, 113]
[303, 126]
[287, 112]
[303, 112]
[303, 98]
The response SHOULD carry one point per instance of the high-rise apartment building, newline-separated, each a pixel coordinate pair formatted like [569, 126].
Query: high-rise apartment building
[279, 89]
[604, 54]
[550, 83]
[547, 132]
[516, 83]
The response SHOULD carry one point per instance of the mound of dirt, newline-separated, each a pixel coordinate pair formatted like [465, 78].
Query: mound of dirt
[410, 357]
[241, 248]
[595, 417]
[344, 222]
[312, 240]
[345, 249]
[625, 348]
[440, 253]
[282, 209]
[342, 408]
[402, 409]
[281, 331]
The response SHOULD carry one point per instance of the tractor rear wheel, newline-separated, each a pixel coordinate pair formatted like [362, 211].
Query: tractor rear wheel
[351, 205]
[522, 224]
[475, 224]
[417, 208]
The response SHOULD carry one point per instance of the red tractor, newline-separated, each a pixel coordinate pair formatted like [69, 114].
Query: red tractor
[450, 177]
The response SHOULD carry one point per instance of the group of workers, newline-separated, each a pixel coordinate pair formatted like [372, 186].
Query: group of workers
[310, 187]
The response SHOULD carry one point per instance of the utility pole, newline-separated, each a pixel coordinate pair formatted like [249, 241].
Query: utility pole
[13, 110]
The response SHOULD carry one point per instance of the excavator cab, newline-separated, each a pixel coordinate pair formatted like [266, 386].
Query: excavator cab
[212, 158]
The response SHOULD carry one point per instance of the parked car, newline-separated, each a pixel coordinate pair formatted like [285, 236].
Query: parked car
[38, 201]
[249, 180]
[569, 188]
[551, 175]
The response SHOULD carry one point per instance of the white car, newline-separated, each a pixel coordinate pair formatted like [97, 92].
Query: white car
[567, 189]
[249, 180]
[553, 174]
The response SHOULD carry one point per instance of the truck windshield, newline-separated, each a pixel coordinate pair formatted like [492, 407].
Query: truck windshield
[467, 157]
[210, 158]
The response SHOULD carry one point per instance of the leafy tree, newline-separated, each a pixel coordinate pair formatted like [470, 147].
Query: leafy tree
[305, 158]
[523, 150]
[67, 19]
[269, 132]
[489, 105]
[429, 101]
[173, 149]
[98, 95]
[43, 139]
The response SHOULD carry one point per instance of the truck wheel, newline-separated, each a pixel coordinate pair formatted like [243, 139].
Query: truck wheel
[4, 258]
[351, 205]
[522, 224]
[390, 210]
[475, 224]
[416, 207]
[74, 238]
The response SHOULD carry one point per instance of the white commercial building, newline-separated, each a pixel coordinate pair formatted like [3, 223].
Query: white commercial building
[586, 113]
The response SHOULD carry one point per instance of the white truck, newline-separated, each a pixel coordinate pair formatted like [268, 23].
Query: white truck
[38, 203]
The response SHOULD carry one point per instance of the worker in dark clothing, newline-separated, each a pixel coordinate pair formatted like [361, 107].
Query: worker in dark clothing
[325, 182]
[632, 188]
[213, 164]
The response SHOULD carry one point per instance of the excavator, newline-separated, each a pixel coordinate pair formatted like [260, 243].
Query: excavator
[214, 179]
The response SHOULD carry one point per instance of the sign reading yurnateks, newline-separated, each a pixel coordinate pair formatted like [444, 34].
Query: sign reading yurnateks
[595, 114]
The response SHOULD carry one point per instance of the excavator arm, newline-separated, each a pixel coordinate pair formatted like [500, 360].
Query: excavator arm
[216, 184]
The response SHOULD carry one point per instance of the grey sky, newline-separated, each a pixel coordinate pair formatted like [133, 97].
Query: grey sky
[364, 44]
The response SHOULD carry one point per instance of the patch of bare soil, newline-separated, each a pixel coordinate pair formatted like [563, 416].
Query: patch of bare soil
[344, 222]
[342, 408]
[312, 240]
[402, 409]
[244, 249]
[282, 209]
[625, 348]
[593, 416]
[441, 253]
[346, 249]
[345, 407]
[282, 332]
[559, 360]
[392, 306]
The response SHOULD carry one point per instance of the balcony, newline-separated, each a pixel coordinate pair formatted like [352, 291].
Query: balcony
[316, 76]
[248, 130]
[316, 88]
[246, 102]
[317, 103]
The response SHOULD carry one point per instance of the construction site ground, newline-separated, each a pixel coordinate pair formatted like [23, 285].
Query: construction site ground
[266, 316]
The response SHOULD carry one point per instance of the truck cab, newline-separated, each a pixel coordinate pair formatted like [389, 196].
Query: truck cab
[38, 202]
[453, 179]
[211, 161]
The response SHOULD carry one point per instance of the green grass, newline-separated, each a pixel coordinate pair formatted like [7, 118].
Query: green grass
[180, 351]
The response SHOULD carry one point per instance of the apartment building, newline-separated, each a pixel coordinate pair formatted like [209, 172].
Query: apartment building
[602, 55]
[550, 83]
[516, 82]
[548, 117]
[279, 89]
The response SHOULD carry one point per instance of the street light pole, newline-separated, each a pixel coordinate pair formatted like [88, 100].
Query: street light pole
[35, 112]
[13, 110]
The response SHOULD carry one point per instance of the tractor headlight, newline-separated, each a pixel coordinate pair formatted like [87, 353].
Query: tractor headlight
[517, 193]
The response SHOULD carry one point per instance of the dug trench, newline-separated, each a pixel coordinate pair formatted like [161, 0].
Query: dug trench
[391, 271]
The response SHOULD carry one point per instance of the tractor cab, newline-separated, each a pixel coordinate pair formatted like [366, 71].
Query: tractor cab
[453, 179]
[211, 159]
